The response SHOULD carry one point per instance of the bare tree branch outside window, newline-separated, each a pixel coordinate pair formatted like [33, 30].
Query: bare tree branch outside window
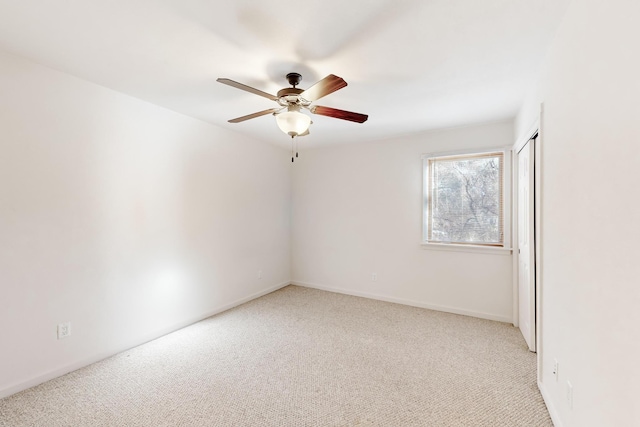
[465, 199]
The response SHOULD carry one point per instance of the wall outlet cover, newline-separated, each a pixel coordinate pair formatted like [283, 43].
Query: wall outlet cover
[64, 330]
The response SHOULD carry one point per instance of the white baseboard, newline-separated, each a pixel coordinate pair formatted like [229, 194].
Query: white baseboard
[54, 373]
[555, 418]
[454, 310]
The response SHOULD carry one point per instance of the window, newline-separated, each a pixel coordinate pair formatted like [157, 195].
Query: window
[464, 199]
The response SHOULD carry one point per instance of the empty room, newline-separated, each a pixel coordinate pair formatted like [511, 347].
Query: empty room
[320, 213]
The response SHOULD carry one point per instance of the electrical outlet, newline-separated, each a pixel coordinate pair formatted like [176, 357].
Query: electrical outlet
[555, 369]
[570, 394]
[259, 274]
[64, 330]
[374, 277]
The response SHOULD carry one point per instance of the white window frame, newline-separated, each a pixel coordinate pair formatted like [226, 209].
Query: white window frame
[507, 165]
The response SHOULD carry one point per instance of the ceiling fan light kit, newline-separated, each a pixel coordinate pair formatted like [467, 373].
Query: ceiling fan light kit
[293, 122]
[292, 99]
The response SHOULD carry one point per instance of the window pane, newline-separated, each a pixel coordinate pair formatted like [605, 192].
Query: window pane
[466, 199]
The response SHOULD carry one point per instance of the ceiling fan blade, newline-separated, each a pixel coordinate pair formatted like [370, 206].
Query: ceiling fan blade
[247, 88]
[339, 114]
[324, 87]
[254, 115]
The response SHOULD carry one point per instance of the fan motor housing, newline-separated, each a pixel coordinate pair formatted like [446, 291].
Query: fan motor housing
[291, 96]
[288, 91]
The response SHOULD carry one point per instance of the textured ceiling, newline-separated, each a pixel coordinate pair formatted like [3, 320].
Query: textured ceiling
[411, 65]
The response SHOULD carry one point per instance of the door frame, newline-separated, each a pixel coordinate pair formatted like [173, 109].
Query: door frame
[536, 128]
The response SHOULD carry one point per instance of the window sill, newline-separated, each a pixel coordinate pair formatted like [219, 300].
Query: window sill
[466, 248]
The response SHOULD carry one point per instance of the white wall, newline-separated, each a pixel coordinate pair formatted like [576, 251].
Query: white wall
[357, 209]
[591, 214]
[124, 218]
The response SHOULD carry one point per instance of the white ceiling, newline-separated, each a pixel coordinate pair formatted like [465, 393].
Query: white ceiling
[412, 65]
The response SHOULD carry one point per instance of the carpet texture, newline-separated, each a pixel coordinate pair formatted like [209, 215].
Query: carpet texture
[303, 357]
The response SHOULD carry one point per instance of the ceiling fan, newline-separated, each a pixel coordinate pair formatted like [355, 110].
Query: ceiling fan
[292, 99]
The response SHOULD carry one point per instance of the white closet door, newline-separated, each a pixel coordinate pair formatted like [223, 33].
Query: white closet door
[526, 244]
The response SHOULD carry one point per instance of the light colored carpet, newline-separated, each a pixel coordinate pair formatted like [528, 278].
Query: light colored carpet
[303, 357]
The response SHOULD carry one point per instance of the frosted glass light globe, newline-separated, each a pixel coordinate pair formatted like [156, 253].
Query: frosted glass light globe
[293, 123]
